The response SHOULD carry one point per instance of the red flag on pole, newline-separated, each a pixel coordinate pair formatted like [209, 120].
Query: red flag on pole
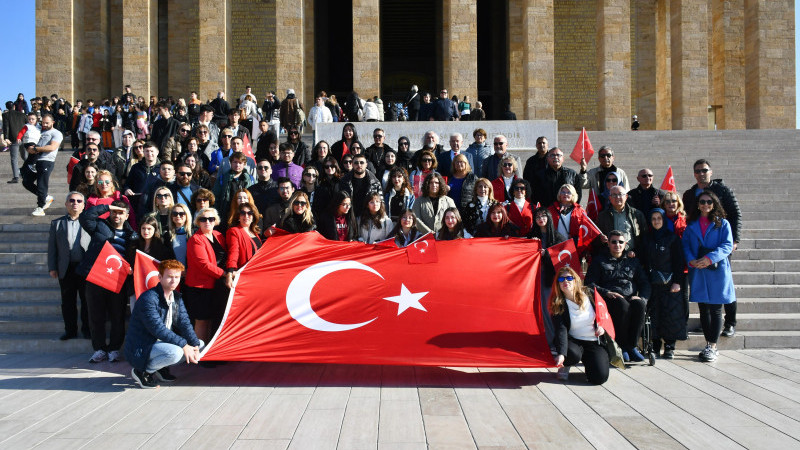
[423, 250]
[353, 303]
[71, 165]
[145, 273]
[583, 148]
[602, 316]
[248, 149]
[669, 182]
[588, 231]
[109, 270]
[565, 254]
[592, 205]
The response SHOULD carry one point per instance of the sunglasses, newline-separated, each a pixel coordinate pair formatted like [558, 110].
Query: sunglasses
[606, 155]
[184, 174]
[245, 213]
[163, 195]
[705, 202]
[294, 133]
[499, 144]
[263, 167]
[647, 175]
[299, 203]
[347, 161]
[360, 163]
[103, 182]
[138, 146]
[378, 136]
[207, 219]
[75, 200]
[617, 242]
[566, 278]
[670, 201]
[508, 165]
[403, 143]
[227, 136]
[178, 213]
[329, 166]
[519, 188]
[427, 160]
[185, 131]
[611, 180]
[699, 171]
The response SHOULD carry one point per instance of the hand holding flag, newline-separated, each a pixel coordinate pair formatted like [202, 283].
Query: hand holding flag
[669, 182]
[109, 270]
[583, 148]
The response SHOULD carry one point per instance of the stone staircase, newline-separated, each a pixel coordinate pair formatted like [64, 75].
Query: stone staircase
[762, 166]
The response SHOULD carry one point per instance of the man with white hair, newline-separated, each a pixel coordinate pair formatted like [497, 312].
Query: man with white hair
[445, 159]
[490, 164]
[412, 103]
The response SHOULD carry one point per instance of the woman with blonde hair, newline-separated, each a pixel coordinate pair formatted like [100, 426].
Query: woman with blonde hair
[298, 217]
[576, 331]
[477, 211]
[162, 202]
[672, 204]
[180, 230]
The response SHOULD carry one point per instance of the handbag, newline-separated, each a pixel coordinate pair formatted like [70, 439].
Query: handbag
[614, 351]
[703, 251]
[660, 278]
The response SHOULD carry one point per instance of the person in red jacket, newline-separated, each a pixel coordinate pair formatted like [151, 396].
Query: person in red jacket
[242, 238]
[520, 212]
[568, 215]
[205, 292]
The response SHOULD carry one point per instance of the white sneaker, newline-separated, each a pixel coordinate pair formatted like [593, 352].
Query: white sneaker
[38, 212]
[709, 354]
[47, 202]
[563, 373]
[113, 356]
[98, 356]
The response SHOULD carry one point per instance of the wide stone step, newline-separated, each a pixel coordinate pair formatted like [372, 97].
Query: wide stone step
[31, 325]
[768, 265]
[24, 246]
[773, 244]
[758, 322]
[761, 306]
[23, 216]
[762, 254]
[22, 308]
[763, 233]
[23, 258]
[32, 281]
[767, 291]
[745, 340]
[42, 227]
[24, 236]
[13, 270]
[43, 343]
[20, 294]
[778, 278]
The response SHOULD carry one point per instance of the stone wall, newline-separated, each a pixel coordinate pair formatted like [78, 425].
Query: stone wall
[688, 25]
[613, 64]
[459, 47]
[575, 64]
[366, 48]
[215, 53]
[253, 40]
[54, 48]
[538, 94]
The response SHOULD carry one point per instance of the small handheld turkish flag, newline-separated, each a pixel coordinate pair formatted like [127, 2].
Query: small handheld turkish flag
[423, 250]
[109, 270]
[565, 254]
[592, 205]
[588, 231]
[669, 182]
[602, 316]
[145, 273]
[583, 148]
[248, 149]
[71, 165]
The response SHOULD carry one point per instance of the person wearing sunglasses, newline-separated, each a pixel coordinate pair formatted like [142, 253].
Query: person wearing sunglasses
[622, 217]
[645, 196]
[223, 152]
[507, 176]
[577, 335]
[66, 248]
[106, 192]
[93, 155]
[242, 238]
[624, 285]
[612, 179]
[205, 293]
[405, 156]
[375, 152]
[184, 186]
[236, 179]
[548, 182]
[360, 183]
[593, 179]
[520, 211]
[180, 230]
[302, 152]
[426, 165]
[298, 217]
[703, 175]
[707, 245]
[672, 205]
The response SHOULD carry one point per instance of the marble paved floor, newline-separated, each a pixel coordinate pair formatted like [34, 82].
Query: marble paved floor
[747, 399]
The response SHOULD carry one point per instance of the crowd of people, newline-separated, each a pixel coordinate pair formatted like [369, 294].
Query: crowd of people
[186, 190]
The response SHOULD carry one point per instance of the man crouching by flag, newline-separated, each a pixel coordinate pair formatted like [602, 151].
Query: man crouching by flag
[160, 333]
[103, 263]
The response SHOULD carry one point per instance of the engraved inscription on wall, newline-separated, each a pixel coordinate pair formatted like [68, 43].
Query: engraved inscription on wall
[575, 64]
[254, 49]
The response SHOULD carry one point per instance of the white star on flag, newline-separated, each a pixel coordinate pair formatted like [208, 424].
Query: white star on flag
[407, 299]
[110, 270]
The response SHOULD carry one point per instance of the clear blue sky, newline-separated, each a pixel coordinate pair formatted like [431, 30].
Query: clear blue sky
[18, 71]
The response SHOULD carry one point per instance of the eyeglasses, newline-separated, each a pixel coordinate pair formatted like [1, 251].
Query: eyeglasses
[377, 136]
[508, 164]
[617, 242]
[566, 278]
[184, 174]
[310, 175]
[705, 202]
[185, 131]
[699, 171]
[163, 195]
[207, 219]
[605, 155]
[246, 213]
[519, 188]
[499, 144]
[427, 160]
[347, 161]
[360, 163]
[178, 213]
[299, 203]
[617, 195]
[226, 136]
[76, 200]
[138, 146]
[646, 175]
[103, 182]
[263, 167]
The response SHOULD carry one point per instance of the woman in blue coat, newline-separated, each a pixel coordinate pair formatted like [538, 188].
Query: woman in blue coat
[707, 243]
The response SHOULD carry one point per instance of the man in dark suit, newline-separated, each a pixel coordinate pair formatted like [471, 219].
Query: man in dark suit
[445, 159]
[160, 333]
[65, 250]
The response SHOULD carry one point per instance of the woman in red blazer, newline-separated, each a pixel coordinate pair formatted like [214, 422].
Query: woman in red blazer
[519, 209]
[205, 293]
[507, 171]
[568, 215]
[242, 237]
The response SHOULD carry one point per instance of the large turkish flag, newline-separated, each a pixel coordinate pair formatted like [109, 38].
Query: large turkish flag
[303, 298]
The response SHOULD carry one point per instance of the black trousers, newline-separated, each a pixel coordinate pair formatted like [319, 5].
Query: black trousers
[37, 182]
[730, 314]
[711, 321]
[628, 318]
[594, 358]
[72, 287]
[106, 304]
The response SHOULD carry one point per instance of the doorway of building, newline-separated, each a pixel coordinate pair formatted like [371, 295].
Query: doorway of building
[333, 47]
[493, 83]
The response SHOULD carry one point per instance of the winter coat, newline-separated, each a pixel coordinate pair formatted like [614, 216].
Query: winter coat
[710, 285]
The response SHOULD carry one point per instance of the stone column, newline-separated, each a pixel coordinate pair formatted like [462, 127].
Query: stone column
[139, 49]
[215, 52]
[460, 47]
[94, 54]
[55, 25]
[727, 53]
[366, 48]
[516, 53]
[689, 43]
[613, 64]
[663, 71]
[183, 39]
[769, 59]
[538, 80]
[643, 72]
[289, 67]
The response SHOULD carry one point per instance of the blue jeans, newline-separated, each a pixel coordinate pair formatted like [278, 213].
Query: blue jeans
[165, 354]
[15, 160]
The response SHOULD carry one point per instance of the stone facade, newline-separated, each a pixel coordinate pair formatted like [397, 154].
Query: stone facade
[584, 63]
